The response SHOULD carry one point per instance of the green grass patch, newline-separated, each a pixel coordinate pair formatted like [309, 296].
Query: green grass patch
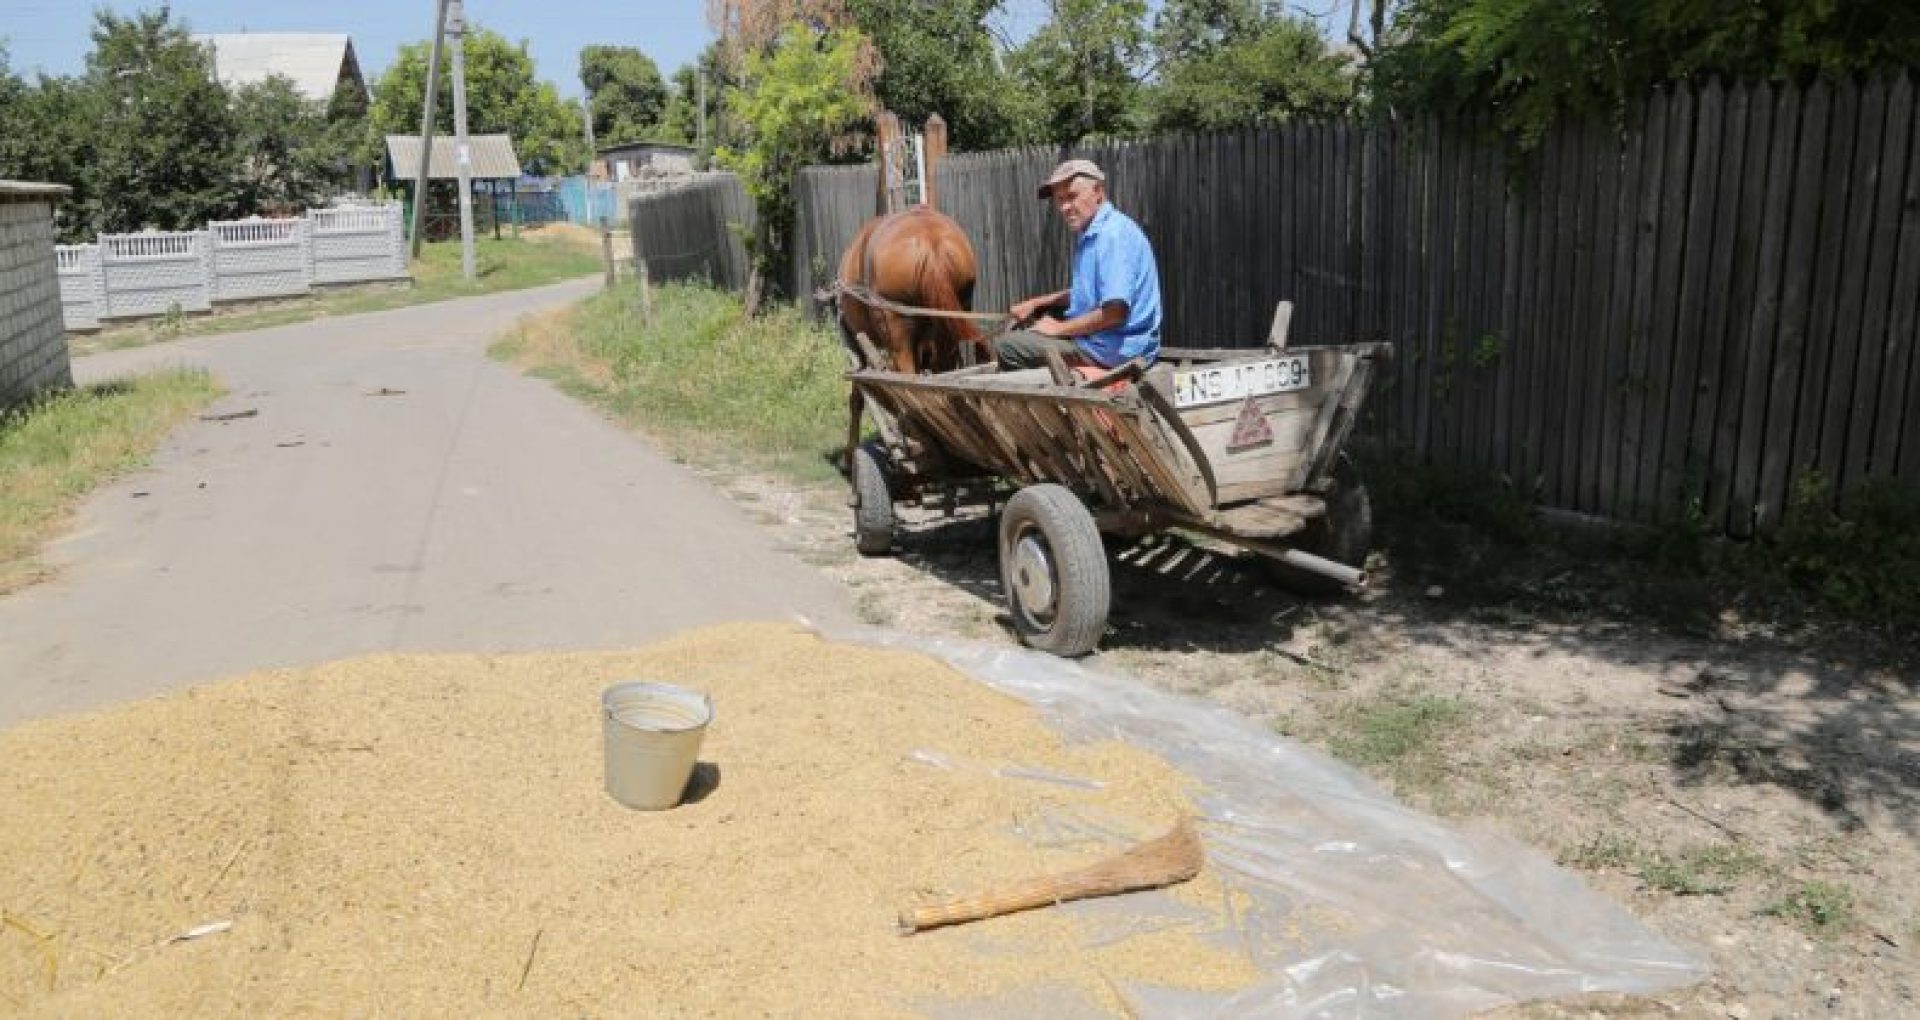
[56, 449]
[697, 372]
[1706, 870]
[1817, 908]
[1399, 734]
[506, 264]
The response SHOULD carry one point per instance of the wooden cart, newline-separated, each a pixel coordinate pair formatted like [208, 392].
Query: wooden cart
[1242, 445]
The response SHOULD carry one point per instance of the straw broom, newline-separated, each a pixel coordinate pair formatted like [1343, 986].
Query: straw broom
[1168, 860]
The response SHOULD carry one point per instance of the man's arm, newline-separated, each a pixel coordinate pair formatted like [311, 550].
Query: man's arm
[1024, 310]
[1111, 315]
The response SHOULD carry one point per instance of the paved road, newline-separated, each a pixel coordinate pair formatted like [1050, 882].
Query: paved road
[396, 491]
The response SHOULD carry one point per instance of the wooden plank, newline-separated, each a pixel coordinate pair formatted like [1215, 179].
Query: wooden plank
[1896, 449]
[1828, 266]
[1850, 354]
[1637, 386]
[1489, 356]
[1695, 348]
[1656, 487]
[1796, 286]
[1503, 450]
[1593, 336]
[1750, 117]
[1764, 325]
[1878, 352]
[1616, 338]
[1580, 350]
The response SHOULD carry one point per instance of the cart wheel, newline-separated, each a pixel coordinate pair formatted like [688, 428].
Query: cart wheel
[1054, 570]
[872, 502]
[1344, 534]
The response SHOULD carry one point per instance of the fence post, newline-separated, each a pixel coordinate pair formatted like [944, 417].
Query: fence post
[646, 290]
[606, 250]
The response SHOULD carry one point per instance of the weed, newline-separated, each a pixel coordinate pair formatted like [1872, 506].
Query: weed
[1698, 871]
[1398, 733]
[1708, 870]
[1817, 908]
[1606, 850]
[56, 449]
[701, 374]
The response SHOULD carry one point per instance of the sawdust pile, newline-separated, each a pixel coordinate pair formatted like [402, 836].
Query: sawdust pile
[408, 835]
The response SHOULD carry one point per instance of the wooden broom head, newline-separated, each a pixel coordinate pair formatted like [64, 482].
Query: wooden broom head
[1168, 860]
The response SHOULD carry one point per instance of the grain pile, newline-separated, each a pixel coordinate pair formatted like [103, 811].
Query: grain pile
[430, 835]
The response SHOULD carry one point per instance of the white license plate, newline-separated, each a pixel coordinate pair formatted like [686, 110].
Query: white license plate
[1237, 381]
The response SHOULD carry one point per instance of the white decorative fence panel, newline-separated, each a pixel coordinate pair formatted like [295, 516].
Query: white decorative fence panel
[359, 243]
[260, 259]
[83, 288]
[153, 274]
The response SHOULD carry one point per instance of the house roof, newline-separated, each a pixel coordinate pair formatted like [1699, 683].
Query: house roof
[491, 157]
[314, 61]
[608, 150]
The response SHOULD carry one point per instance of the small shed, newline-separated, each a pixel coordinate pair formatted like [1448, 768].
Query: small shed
[647, 159]
[491, 164]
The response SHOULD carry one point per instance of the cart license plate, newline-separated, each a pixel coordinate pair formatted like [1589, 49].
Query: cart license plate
[1222, 383]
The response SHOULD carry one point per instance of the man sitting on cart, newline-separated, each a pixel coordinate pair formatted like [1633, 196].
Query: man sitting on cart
[1113, 306]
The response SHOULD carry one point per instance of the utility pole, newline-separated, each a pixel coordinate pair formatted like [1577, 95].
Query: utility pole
[426, 124]
[457, 27]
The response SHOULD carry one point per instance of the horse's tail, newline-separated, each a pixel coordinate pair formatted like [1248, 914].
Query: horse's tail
[938, 290]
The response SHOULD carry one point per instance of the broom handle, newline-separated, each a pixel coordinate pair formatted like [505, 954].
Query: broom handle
[1174, 857]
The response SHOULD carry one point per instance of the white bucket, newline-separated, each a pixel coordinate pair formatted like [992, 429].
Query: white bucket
[653, 734]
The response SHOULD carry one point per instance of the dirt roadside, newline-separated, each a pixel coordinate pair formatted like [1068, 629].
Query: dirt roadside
[1751, 800]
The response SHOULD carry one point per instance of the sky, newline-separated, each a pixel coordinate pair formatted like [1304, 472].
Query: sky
[51, 36]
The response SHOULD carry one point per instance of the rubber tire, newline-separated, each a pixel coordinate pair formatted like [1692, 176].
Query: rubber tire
[1055, 517]
[1344, 534]
[873, 519]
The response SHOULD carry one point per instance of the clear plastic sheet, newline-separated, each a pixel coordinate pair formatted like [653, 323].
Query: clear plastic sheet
[1358, 905]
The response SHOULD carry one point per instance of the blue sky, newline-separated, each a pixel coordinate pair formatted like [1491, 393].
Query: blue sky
[51, 35]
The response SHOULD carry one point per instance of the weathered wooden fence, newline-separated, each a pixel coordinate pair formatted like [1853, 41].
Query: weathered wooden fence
[1696, 307]
[696, 232]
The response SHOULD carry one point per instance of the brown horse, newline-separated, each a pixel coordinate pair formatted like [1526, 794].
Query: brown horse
[919, 258]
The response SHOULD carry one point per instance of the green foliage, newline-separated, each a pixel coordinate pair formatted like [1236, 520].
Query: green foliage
[1817, 908]
[165, 149]
[940, 58]
[1080, 69]
[797, 100]
[1860, 561]
[704, 375]
[1535, 61]
[627, 93]
[1706, 870]
[291, 157]
[680, 121]
[1231, 64]
[1387, 730]
[503, 97]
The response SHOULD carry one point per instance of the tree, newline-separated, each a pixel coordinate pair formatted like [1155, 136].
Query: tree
[290, 157]
[1228, 64]
[799, 99]
[625, 92]
[1535, 61]
[164, 152]
[1081, 68]
[939, 58]
[503, 97]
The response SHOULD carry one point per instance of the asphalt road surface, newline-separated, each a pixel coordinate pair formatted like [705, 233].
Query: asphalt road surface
[393, 490]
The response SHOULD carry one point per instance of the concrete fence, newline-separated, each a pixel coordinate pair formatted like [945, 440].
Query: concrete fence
[131, 275]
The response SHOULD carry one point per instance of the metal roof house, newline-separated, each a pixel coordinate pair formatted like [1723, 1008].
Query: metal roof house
[317, 63]
[641, 159]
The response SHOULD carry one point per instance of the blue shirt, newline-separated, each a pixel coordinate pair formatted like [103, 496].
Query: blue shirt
[1113, 261]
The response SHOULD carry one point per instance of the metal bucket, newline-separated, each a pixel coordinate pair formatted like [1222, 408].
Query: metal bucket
[653, 733]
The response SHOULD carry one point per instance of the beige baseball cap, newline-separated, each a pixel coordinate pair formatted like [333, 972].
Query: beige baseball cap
[1068, 171]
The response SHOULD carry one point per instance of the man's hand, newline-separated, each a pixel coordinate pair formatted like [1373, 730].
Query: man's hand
[1050, 327]
[1024, 310]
